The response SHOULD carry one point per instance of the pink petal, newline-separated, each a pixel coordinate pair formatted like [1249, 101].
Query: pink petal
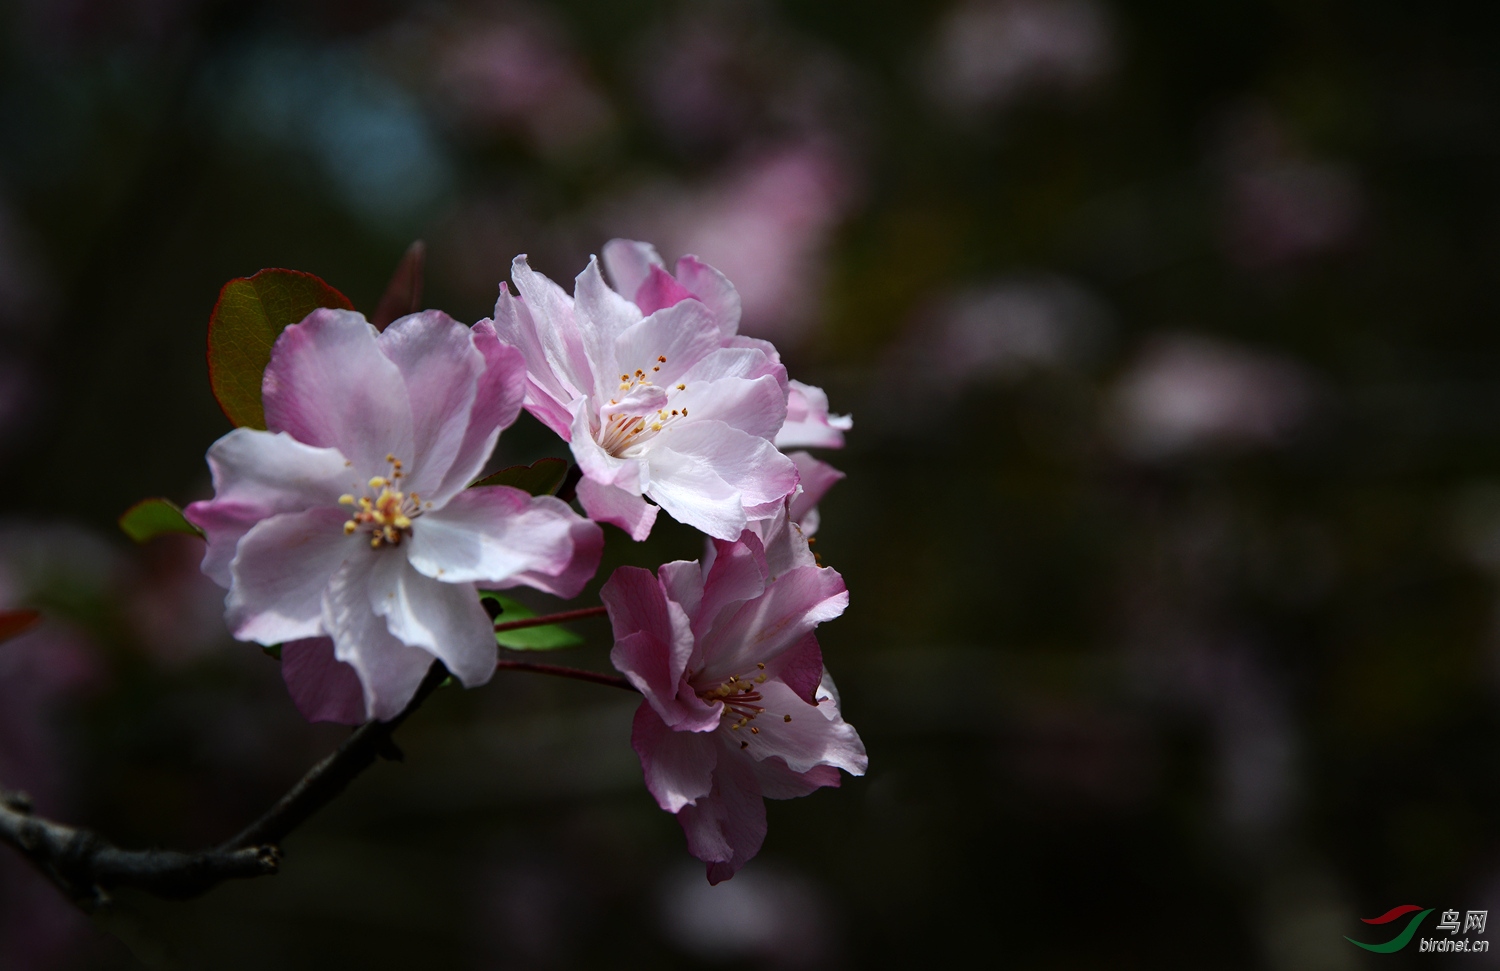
[727, 827]
[683, 334]
[659, 290]
[678, 766]
[588, 549]
[491, 534]
[596, 463]
[760, 630]
[817, 478]
[329, 385]
[608, 504]
[738, 574]
[779, 782]
[602, 316]
[280, 571]
[256, 475]
[497, 401]
[444, 619]
[389, 671]
[629, 263]
[754, 406]
[440, 367]
[816, 735]
[682, 581]
[800, 667]
[323, 688]
[808, 423]
[705, 473]
[540, 324]
[714, 290]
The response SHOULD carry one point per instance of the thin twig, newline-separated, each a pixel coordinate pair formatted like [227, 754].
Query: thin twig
[562, 618]
[85, 866]
[557, 670]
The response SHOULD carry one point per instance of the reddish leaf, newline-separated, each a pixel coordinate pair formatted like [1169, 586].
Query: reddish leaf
[16, 622]
[403, 295]
[251, 313]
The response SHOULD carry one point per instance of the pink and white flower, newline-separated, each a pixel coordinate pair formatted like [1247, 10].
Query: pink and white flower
[738, 705]
[808, 423]
[786, 536]
[347, 526]
[656, 391]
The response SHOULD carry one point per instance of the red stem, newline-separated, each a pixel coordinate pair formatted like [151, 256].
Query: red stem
[543, 621]
[577, 674]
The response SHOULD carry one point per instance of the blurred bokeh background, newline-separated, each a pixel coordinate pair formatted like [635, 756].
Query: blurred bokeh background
[1172, 521]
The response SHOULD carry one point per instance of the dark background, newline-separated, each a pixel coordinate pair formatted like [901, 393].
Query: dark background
[1172, 522]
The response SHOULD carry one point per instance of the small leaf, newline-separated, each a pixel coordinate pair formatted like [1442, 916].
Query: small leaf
[541, 478]
[403, 295]
[14, 623]
[151, 518]
[273, 651]
[548, 638]
[251, 313]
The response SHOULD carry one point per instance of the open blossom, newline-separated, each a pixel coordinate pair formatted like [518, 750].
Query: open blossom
[786, 536]
[638, 272]
[737, 706]
[346, 528]
[658, 394]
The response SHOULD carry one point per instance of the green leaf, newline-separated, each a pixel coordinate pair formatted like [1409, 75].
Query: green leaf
[541, 478]
[273, 651]
[548, 638]
[251, 313]
[151, 518]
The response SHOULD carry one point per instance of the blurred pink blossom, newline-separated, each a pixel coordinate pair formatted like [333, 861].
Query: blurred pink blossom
[1186, 392]
[1280, 206]
[518, 73]
[993, 52]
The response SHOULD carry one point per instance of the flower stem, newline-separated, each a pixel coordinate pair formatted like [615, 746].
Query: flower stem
[562, 618]
[577, 674]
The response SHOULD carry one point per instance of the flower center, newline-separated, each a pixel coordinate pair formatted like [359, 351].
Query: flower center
[741, 697]
[386, 516]
[625, 429]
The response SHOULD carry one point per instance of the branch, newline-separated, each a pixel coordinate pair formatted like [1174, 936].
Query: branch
[85, 866]
[577, 674]
[562, 618]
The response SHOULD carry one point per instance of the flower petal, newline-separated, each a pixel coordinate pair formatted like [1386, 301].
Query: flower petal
[760, 630]
[808, 423]
[329, 385]
[672, 340]
[608, 504]
[706, 473]
[539, 322]
[816, 479]
[602, 316]
[678, 766]
[660, 290]
[738, 574]
[444, 619]
[727, 827]
[440, 367]
[714, 290]
[389, 671]
[323, 688]
[816, 735]
[256, 475]
[280, 571]
[498, 397]
[491, 534]
[582, 564]
[754, 406]
[628, 263]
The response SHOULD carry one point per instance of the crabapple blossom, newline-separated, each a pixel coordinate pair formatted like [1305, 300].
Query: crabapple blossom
[738, 706]
[692, 420]
[346, 529]
[637, 271]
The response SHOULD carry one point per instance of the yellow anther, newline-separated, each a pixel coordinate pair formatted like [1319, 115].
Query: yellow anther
[760, 679]
[682, 387]
[350, 526]
[661, 359]
[786, 718]
[379, 482]
[401, 522]
[657, 368]
[389, 457]
[365, 503]
[346, 500]
[754, 730]
[761, 665]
